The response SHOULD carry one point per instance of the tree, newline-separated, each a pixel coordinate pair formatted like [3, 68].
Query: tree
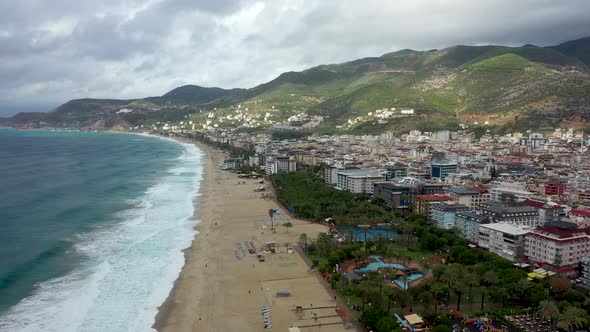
[303, 241]
[425, 297]
[520, 288]
[488, 279]
[324, 244]
[548, 311]
[271, 213]
[288, 225]
[389, 292]
[560, 284]
[372, 316]
[471, 279]
[572, 318]
[388, 324]
[458, 288]
[435, 290]
[449, 277]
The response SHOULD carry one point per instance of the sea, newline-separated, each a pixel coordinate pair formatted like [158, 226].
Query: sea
[92, 228]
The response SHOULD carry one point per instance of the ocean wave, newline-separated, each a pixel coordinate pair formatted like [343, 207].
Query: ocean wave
[130, 266]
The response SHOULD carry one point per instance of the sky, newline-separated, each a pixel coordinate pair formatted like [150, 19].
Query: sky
[52, 51]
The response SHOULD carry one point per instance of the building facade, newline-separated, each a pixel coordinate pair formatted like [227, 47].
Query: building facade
[506, 240]
[359, 181]
[516, 215]
[556, 246]
[444, 215]
[472, 197]
[440, 169]
[468, 223]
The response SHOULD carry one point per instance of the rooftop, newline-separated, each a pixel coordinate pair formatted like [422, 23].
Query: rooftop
[434, 197]
[450, 207]
[463, 191]
[561, 233]
[472, 215]
[507, 228]
[579, 212]
[362, 172]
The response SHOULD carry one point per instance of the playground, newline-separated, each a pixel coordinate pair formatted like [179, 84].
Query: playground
[483, 323]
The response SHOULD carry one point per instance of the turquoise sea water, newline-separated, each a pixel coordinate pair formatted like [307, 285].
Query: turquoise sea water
[91, 228]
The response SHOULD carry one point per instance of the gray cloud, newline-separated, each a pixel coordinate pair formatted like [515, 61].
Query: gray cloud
[53, 51]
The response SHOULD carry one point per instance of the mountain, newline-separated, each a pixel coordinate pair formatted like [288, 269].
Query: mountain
[579, 49]
[496, 87]
[194, 94]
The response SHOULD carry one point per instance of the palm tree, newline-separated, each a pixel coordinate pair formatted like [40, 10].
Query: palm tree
[458, 288]
[271, 213]
[548, 311]
[521, 287]
[488, 279]
[435, 290]
[449, 277]
[425, 298]
[389, 292]
[303, 241]
[571, 318]
[288, 225]
[500, 294]
[471, 279]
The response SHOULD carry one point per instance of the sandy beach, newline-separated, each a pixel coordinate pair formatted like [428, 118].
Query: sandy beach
[223, 287]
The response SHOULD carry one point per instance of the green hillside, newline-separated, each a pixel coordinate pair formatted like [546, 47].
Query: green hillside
[503, 88]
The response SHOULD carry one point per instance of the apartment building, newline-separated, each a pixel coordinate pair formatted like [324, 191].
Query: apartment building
[473, 197]
[468, 222]
[515, 189]
[558, 246]
[517, 215]
[359, 181]
[444, 215]
[506, 240]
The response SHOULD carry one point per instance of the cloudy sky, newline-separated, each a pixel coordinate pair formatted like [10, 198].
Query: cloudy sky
[55, 50]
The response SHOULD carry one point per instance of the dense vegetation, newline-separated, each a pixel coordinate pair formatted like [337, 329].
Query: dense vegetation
[309, 197]
[473, 281]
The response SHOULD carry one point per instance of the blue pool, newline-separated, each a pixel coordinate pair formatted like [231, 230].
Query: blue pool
[412, 277]
[372, 234]
[379, 264]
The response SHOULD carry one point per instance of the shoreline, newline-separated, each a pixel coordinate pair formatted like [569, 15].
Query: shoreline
[222, 287]
[165, 310]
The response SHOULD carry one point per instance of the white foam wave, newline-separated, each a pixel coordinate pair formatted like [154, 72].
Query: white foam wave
[131, 265]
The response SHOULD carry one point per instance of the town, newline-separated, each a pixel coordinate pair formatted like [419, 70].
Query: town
[522, 196]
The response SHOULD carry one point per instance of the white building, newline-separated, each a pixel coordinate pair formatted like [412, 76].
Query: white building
[526, 216]
[444, 215]
[331, 175]
[359, 181]
[281, 165]
[503, 239]
[517, 189]
[468, 223]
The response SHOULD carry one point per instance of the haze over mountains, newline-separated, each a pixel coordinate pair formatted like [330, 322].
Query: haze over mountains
[505, 88]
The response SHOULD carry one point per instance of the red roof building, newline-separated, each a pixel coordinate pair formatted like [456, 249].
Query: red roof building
[557, 246]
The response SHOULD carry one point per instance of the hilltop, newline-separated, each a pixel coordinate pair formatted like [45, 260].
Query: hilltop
[497, 87]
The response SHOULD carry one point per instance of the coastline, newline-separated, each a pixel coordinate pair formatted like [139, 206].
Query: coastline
[125, 264]
[217, 291]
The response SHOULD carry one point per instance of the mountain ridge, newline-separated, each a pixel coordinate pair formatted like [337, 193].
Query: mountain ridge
[511, 88]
